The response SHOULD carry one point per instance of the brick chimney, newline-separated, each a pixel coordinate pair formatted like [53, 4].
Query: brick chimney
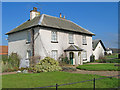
[34, 13]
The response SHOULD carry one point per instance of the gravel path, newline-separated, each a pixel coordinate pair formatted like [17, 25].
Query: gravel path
[5, 73]
[102, 73]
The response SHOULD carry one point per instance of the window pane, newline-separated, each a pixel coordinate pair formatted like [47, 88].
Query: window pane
[84, 40]
[54, 54]
[84, 55]
[54, 36]
[29, 36]
[70, 38]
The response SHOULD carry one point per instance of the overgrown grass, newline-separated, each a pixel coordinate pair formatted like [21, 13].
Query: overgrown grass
[99, 67]
[51, 78]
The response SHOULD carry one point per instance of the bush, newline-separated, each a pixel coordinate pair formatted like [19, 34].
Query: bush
[92, 58]
[14, 59]
[47, 65]
[66, 60]
[105, 53]
[10, 63]
[34, 60]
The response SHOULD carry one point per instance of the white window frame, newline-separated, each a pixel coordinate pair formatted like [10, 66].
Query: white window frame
[54, 54]
[54, 36]
[84, 40]
[28, 36]
[84, 55]
[29, 54]
[71, 38]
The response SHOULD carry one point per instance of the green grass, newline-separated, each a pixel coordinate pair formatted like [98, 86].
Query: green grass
[99, 67]
[51, 78]
[114, 55]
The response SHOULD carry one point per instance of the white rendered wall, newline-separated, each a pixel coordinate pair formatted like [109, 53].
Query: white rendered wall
[63, 42]
[99, 51]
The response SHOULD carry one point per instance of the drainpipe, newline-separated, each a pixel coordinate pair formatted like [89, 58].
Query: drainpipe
[32, 41]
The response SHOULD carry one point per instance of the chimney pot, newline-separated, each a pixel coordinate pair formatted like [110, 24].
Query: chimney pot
[60, 15]
[64, 17]
[34, 8]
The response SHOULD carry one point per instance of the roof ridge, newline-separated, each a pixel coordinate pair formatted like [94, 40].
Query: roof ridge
[57, 17]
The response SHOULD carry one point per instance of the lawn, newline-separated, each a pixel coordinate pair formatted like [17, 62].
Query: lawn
[99, 67]
[51, 78]
[114, 55]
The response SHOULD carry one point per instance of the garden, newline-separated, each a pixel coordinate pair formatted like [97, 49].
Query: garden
[33, 80]
[49, 72]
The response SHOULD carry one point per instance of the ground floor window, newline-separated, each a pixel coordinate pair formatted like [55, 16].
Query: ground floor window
[54, 54]
[29, 53]
[84, 55]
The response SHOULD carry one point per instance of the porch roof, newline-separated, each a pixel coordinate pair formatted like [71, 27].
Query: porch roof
[73, 48]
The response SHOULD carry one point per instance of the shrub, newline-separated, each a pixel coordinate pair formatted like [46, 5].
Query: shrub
[105, 53]
[10, 63]
[14, 59]
[92, 58]
[66, 60]
[34, 60]
[47, 65]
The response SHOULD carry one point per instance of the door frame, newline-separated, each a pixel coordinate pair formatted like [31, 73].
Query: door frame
[71, 58]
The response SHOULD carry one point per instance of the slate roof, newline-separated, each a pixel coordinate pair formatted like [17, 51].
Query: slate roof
[95, 43]
[73, 48]
[53, 22]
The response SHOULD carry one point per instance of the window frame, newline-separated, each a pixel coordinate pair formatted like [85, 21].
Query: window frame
[84, 40]
[54, 37]
[29, 54]
[84, 56]
[55, 52]
[28, 37]
[71, 39]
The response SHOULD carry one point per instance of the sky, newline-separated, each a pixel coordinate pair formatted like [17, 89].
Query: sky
[100, 18]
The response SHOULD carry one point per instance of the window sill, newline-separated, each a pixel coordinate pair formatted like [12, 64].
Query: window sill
[54, 41]
[27, 42]
[84, 44]
[71, 43]
[84, 59]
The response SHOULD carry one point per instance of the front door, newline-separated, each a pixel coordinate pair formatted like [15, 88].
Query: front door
[71, 54]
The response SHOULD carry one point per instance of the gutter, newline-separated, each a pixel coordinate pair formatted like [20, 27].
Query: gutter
[49, 27]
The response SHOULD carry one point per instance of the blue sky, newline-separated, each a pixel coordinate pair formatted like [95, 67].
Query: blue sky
[100, 18]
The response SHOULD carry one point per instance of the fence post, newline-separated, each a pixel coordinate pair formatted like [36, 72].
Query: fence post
[56, 86]
[94, 84]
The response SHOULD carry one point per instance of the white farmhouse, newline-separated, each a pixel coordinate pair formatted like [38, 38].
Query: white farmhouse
[45, 35]
[108, 51]
[98, 49]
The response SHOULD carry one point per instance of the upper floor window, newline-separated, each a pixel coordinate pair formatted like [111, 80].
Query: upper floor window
[71, 39]
[54, 54]
[54, 36]
[84, 41]
[28, 37]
